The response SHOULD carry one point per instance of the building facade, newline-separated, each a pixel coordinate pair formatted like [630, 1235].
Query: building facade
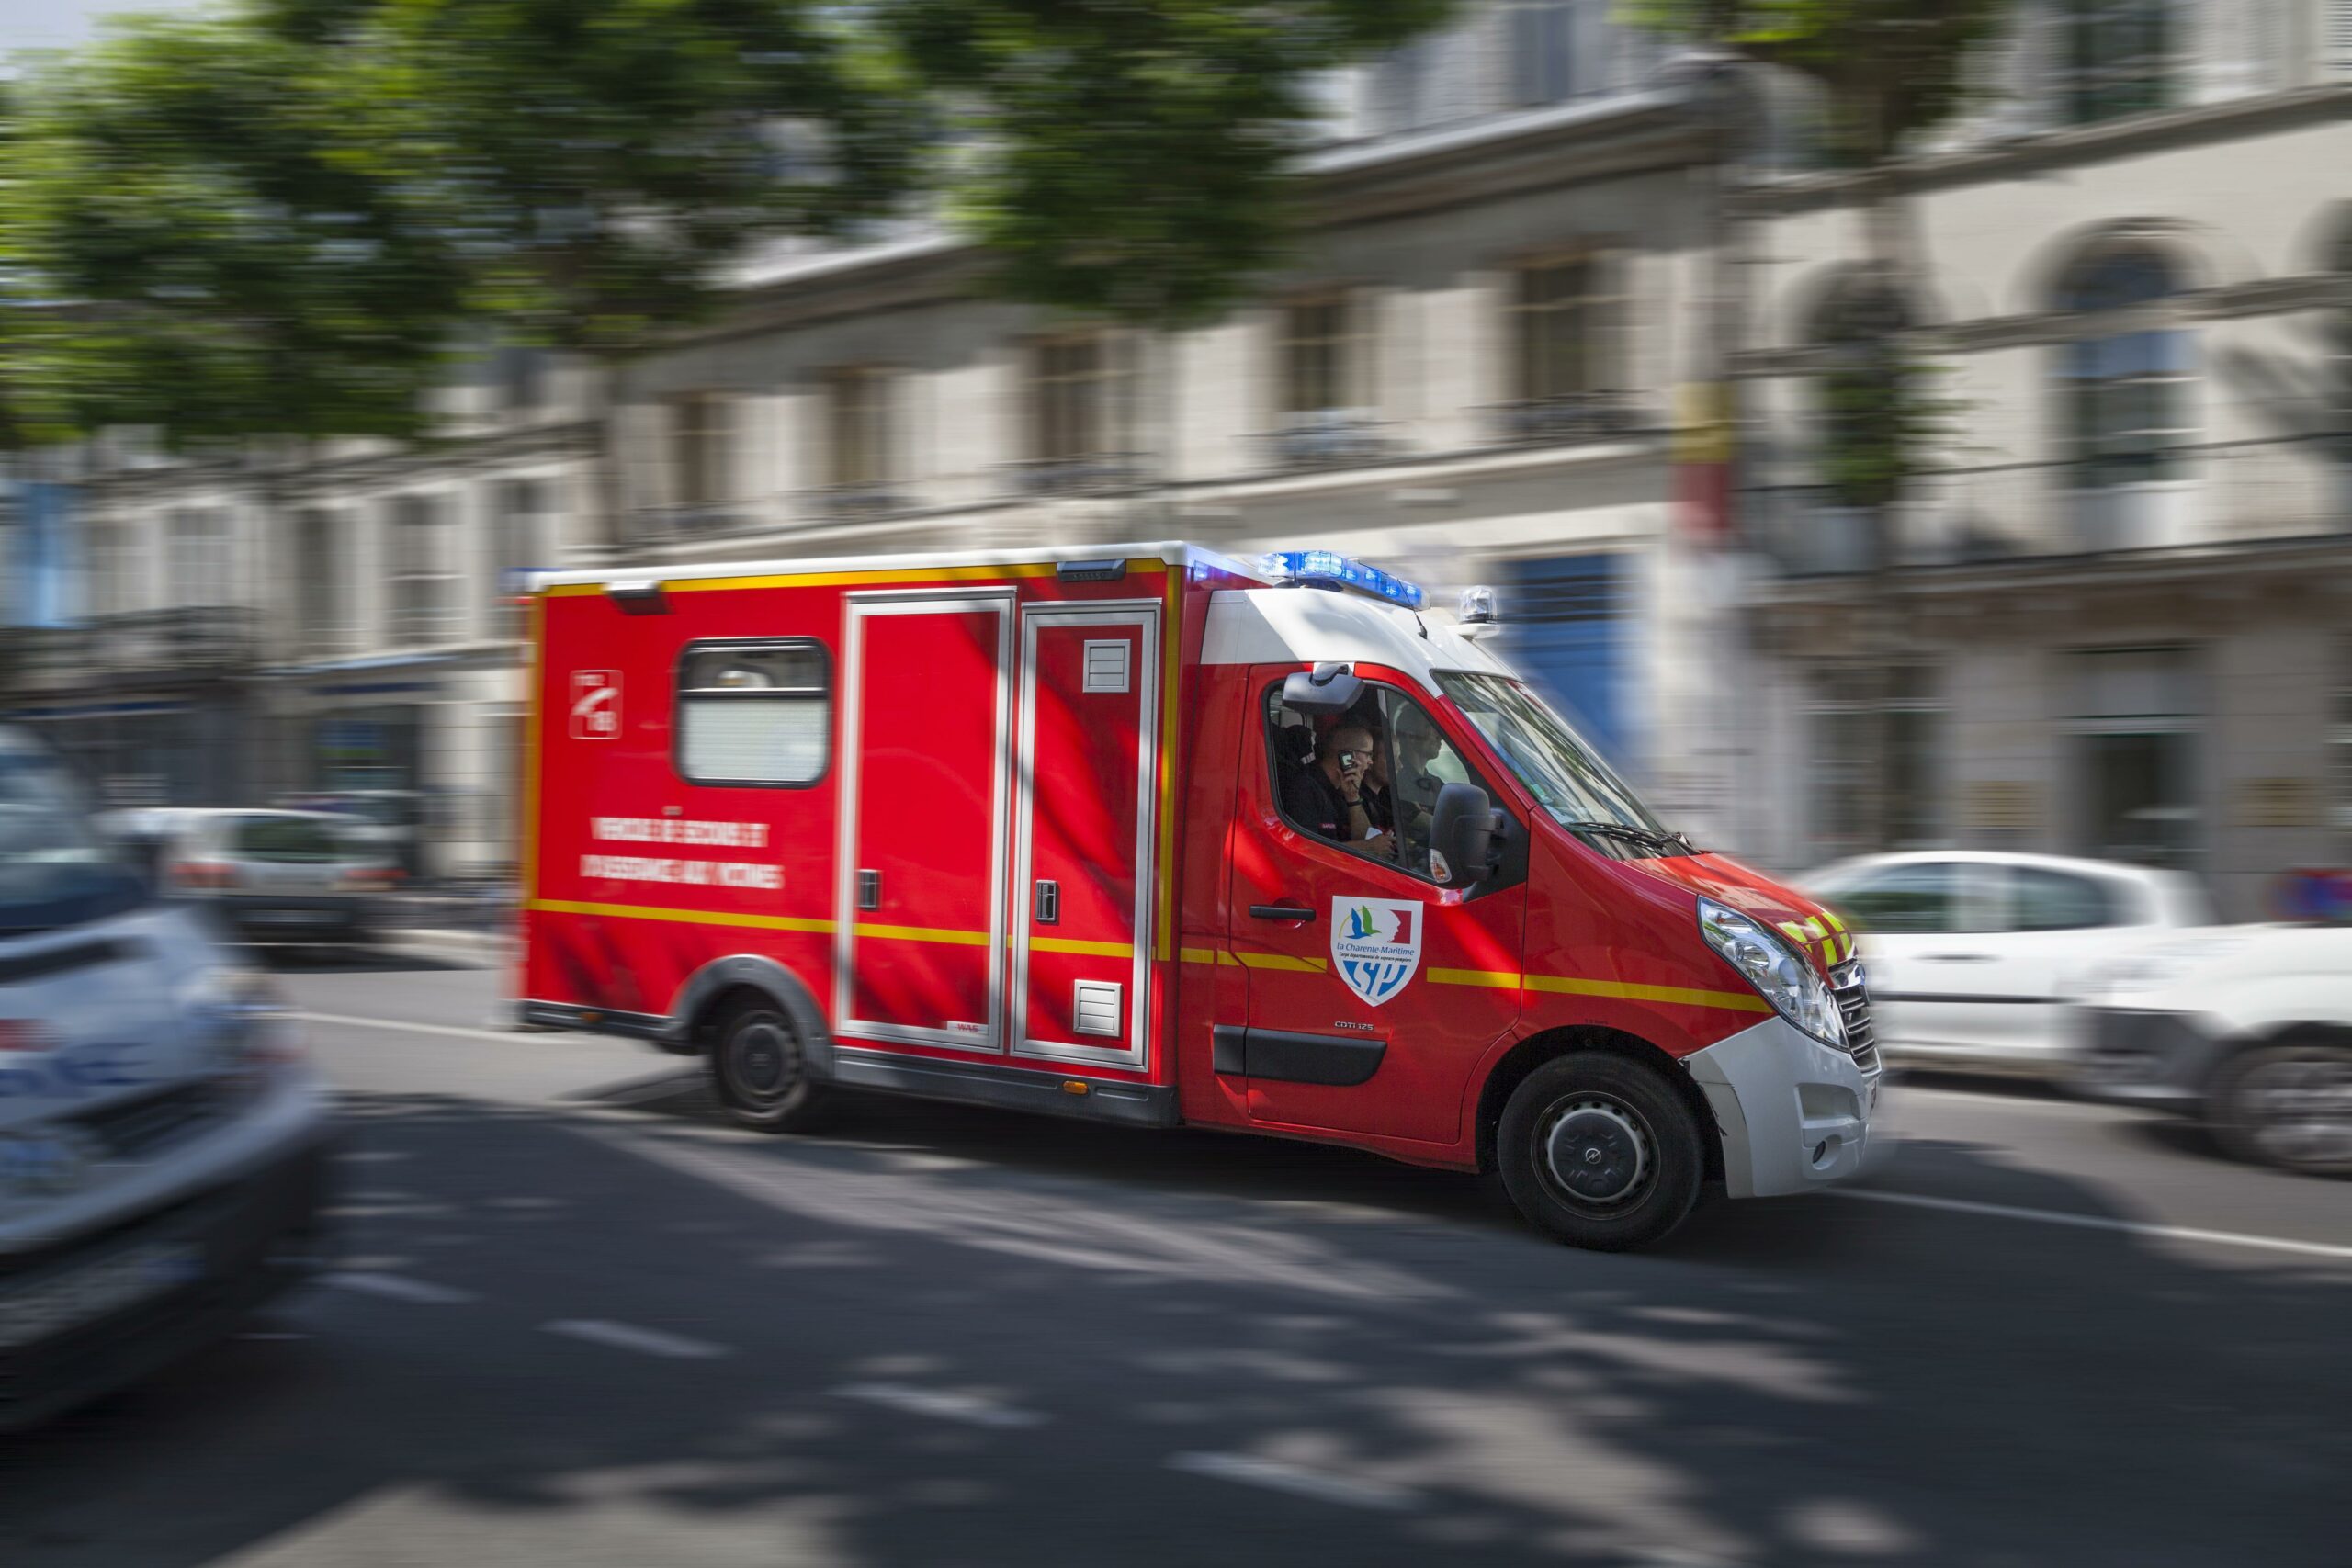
[2110, 617]
[311, 617]
[1467, 374]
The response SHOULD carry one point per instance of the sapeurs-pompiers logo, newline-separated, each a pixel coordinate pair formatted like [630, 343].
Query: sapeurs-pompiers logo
[1375, 944]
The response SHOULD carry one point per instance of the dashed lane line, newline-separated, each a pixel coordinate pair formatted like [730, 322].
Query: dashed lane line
[400, 1288]
[969, 1409]
[630, 1337]
[1347, 1491]
[2096, 1223]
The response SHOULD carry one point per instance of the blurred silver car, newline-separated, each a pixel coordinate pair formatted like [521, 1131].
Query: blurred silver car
[1971, 956]
[276, 876]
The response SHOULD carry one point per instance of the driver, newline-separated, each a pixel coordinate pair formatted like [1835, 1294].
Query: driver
[1326, 796]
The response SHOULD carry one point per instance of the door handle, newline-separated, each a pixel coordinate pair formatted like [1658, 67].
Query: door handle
[1048, 910]
[1956, 957]
[869, 889]
[1281, 912]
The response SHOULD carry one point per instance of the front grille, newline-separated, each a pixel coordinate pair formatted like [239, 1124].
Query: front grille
[1854, 1005]
[140, 1129]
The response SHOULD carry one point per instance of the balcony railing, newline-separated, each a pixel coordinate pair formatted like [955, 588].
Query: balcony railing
[1330, 439]
[855, 502]
[1091, 475]
[2224, 493]
[1572, 418]
[699, 520]
[186, 642]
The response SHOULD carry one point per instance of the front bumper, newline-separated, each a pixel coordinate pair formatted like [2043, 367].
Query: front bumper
[2138, 1056]
[238, 1215]
[1793, 1113]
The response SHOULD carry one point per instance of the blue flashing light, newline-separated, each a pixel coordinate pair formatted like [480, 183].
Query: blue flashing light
[1331, 569]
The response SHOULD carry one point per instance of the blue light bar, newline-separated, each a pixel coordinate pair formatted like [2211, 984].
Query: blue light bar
[1331, 569]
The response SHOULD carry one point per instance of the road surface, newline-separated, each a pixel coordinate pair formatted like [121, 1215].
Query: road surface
[580, 1321]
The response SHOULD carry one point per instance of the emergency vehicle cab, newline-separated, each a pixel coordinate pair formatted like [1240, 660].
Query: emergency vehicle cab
[1151, 836]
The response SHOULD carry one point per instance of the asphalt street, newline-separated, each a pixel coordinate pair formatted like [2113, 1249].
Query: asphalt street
[579, 1320]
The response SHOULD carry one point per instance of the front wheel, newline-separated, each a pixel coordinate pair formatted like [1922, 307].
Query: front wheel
[2288, 1105]
[1601, 1152]
[759, 1070]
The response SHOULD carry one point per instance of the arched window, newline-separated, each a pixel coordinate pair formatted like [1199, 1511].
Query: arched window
[2119, 57]
[2127, 392]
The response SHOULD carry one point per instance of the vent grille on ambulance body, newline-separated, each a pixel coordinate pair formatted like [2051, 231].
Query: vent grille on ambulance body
[1095, 1007]
[1106, 666]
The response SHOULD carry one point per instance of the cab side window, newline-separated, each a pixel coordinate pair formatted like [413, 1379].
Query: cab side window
[1368, 779]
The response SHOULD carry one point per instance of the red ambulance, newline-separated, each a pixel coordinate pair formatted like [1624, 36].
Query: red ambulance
[1151, 836]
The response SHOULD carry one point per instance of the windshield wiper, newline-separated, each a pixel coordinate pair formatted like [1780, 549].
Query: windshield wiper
[1661, 843]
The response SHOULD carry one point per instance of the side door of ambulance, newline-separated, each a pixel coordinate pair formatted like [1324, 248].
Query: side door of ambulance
[1373, 992]
[927, 776]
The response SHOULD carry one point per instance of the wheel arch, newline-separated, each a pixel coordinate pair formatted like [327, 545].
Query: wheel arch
[1550, 1045]
[714, 989]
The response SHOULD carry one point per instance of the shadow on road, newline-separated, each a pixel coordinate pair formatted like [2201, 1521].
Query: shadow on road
[1802, 1382]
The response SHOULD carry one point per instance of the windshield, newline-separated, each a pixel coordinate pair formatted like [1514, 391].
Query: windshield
[1566, 777]
[55, 868]
[296, 840]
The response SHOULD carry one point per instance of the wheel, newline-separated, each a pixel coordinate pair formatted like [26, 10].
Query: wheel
[760, 1072]
[2287, 1105]
[1601, 1152]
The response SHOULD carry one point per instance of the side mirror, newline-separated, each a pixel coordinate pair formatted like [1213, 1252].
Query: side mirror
[1462, 836]
[1327, 688]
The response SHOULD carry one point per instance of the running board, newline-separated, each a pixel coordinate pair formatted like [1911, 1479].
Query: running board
[1008, 1089]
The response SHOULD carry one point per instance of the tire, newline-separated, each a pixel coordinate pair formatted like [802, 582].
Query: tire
[2288, 1105]
[759, 1070]
[1617, 1127]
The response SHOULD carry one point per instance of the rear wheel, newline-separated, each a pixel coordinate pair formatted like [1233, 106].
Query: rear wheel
[2288, 1105]
[759, 1070]
[1601, 1152]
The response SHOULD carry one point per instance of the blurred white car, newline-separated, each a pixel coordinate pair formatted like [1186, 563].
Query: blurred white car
[276, 876]
[1971, 956]
[2249, 1028]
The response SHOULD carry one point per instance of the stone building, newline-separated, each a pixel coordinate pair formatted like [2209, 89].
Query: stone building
[2112, 619]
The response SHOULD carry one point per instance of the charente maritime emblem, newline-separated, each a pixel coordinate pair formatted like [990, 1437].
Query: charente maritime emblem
[1376, 944]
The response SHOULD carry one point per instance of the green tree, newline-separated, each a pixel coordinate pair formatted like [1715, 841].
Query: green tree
[1888, 72]
[277, 219]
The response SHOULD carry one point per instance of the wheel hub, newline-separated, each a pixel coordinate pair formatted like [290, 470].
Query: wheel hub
[2300, 1108]
[763, 1060]
[1597, 1152]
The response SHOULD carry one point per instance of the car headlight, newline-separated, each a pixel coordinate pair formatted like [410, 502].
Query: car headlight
[241, 1025]
[1779, 974]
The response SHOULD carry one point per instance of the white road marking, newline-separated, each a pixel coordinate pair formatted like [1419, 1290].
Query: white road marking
[2098, 1222]
[400, 1288]
[1275, 1476]
[398, 1026]
[2021, 1101]
[967, 1408]
[628, 1337]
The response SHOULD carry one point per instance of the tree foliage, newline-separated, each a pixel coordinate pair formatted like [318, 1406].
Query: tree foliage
[279, 218]
[1889, 70]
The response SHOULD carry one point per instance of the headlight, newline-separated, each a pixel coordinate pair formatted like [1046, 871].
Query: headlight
[241, 1025]
[1778, 971]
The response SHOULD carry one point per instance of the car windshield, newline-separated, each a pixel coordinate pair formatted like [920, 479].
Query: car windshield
[55, 867]
[1565, 775]
[298, 839]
